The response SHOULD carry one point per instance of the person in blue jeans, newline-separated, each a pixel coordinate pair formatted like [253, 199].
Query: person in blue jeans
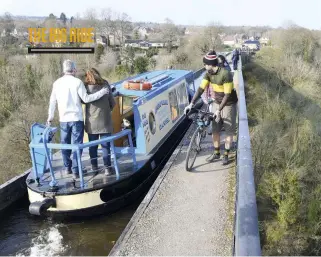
[67, 92]
[98, 120]
[235, 58]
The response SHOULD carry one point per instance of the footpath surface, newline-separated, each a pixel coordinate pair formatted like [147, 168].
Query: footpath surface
[185, 213]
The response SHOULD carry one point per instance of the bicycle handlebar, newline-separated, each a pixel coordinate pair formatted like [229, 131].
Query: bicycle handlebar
[205, 113]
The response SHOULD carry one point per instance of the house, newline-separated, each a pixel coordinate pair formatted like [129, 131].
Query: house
[133, 42]
[188, 31]
[264, 40]
[229, 40]
[240, 38]
[251, 44]
[157, 43]
[100, 39]
[14, 33]
[143, 31]
[144, 45]
[115, 41]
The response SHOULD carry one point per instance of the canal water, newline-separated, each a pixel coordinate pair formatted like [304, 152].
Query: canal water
[22, 234]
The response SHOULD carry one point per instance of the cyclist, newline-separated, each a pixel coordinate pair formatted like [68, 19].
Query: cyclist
[224, 107]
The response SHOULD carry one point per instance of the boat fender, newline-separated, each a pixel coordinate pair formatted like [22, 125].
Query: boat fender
[39, 208]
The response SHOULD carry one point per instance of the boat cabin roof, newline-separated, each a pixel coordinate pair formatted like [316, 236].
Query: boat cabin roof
[157, 78]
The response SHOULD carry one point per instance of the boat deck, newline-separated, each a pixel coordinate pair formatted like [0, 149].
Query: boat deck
[66, 183]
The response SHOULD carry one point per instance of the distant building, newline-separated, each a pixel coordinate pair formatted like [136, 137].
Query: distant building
[143, 31]
[252, 44]
[102, 40]
[133, 42]
[145, 44]
[157, 43]
[229, 40]
[264, 40]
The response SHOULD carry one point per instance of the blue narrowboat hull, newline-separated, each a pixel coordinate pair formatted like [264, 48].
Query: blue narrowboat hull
[126, 191]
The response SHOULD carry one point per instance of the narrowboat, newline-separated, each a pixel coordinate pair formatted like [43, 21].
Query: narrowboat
[148, 122]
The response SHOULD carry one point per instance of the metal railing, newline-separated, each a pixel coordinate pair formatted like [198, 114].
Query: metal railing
[247, 238]
[77, 148]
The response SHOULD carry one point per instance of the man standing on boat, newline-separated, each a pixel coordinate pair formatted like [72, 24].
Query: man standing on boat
[224, 107]
[68, 91]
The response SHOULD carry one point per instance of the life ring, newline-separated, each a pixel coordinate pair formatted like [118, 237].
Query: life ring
[137, 85]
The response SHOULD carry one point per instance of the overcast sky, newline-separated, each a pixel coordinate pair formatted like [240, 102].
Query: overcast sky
[196, 12]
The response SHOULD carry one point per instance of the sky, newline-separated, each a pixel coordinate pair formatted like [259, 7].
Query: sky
[273, 13]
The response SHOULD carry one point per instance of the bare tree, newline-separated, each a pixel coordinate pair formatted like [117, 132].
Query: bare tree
[212, 36]
[124, 27]
[169, 32]
[208, 39]
[91, 17]
[63, 18]
[7, 23]
[106, 24]
[116, 24]
[7, 26]
[50, 22]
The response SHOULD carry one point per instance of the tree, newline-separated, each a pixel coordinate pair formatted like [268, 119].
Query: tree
[122, 26]
[99, 52]
[151, 52]
[90, 15]
[128, 57]
[7, 26]
[50, 22]
[208, 39]
[71, 20]
[169, 32]
[116, 24]
[63, 18]
[212, 36]
[141, 64]
[51, 16]
[136, 34]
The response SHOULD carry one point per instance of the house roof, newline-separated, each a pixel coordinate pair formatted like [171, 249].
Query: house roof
[156, 41]
[252, 42]
[129, 41]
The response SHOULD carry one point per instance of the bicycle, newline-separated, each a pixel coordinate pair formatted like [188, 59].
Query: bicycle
[203, 120]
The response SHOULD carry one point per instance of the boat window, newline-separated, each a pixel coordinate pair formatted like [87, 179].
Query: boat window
[173, 104]
[152, 123]
[182, 98]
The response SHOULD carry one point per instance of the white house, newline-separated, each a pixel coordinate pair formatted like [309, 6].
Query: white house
[229, 40]
[133, 42]
[157, 43]
[143, 31]
[264, 40]
[100, 39]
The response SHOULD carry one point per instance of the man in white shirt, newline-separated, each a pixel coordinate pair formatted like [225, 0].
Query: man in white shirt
[68, 91]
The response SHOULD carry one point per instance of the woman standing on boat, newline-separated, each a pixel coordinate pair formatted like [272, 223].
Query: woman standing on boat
[98, 121]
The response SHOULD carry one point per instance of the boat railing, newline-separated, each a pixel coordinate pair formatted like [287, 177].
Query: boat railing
[48, 147]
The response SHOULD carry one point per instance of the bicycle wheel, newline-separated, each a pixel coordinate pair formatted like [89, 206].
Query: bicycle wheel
[193, 149]
[202, 135]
